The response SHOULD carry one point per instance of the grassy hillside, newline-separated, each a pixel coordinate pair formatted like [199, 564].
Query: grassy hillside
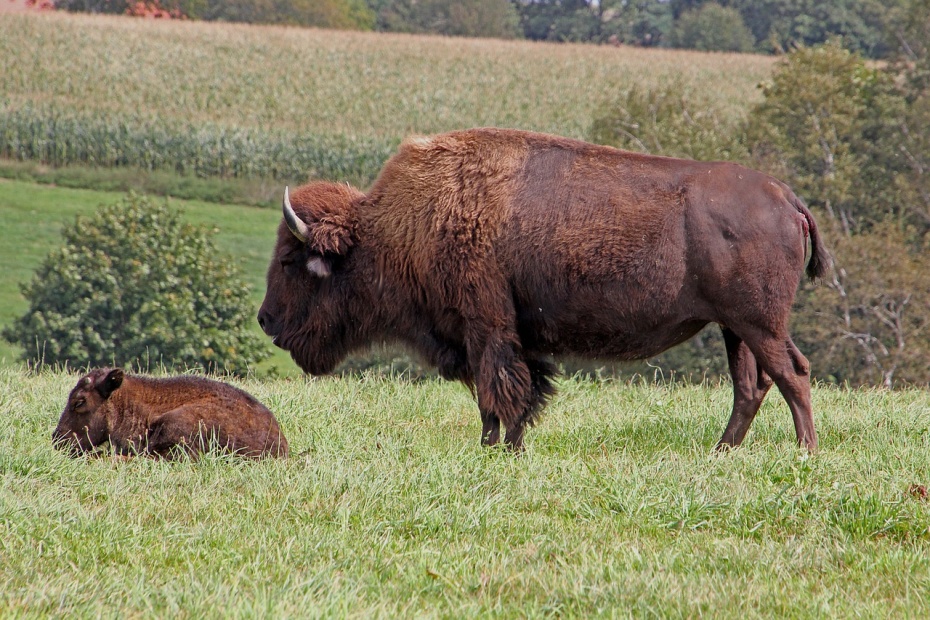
[389, 508]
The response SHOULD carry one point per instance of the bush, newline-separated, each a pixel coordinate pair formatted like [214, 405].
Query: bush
[133, 285]
[668, 121]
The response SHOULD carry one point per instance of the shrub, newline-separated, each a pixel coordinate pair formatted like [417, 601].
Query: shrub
[133, 285]
[666, 121]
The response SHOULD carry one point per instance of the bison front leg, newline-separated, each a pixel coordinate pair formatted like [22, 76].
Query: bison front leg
[490, 428]
[504, 386]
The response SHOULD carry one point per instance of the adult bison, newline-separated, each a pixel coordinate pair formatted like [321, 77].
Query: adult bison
[489, 250]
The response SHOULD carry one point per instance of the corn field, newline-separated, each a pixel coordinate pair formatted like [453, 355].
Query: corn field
[287, 103]
[204, 150]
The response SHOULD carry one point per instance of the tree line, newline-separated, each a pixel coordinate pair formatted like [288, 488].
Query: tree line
[718, 25]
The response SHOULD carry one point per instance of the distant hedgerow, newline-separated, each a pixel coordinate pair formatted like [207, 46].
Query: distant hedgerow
[133, 285]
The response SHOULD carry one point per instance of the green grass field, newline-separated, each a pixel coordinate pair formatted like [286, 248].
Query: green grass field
[388, 507]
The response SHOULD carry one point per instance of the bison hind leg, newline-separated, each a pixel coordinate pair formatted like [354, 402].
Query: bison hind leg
[781, 360]
[750, 385]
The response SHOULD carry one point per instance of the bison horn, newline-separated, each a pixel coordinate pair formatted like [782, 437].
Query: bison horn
[296, 225]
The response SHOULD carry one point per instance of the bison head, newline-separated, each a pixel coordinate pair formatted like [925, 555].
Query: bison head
[83, 424]
[311, 284]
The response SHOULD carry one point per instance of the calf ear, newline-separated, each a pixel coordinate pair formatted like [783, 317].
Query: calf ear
[110, 383]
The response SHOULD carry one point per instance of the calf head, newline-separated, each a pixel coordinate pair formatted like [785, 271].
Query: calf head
[308, 283]
[83, 424]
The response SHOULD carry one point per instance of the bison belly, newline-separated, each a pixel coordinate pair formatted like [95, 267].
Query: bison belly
[623, 323]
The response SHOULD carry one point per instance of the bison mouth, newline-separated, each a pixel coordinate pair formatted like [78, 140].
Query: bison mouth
[71, 444]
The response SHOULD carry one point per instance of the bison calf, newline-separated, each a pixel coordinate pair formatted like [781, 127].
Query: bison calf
[165, 417]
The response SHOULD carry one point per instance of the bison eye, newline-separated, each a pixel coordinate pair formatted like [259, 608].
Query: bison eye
[79, 403]
[289, 265]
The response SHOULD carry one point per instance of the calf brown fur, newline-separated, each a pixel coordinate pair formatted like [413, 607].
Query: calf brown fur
[165, 417]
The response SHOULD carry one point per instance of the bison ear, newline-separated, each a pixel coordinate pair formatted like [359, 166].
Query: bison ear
[110, 383]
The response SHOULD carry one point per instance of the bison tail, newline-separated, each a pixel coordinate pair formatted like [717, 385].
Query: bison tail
[820, 258]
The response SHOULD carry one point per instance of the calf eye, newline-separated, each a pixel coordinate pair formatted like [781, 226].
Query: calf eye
[79, 403]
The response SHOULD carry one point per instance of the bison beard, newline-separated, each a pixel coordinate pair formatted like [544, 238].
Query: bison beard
[489, 251]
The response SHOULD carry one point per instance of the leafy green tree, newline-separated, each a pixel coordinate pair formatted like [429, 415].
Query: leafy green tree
[780, 25]
[639, 22]
[133, 285]
[783, 24]
[343, 14]
[910, 69]
[558, 20]
[824, 127]
[465, 18]
[868, 323]
[714, 28]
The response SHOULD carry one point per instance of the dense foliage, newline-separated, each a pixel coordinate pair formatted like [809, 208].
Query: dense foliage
[344, 14]
[716, 25]
[712, 28]
[133, 285]
[763, 25]
[464, 18]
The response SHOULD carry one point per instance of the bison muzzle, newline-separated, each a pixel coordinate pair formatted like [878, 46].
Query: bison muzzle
[490, 251]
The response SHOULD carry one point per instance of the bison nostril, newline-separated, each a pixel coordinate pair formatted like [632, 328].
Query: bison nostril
[267, 323]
